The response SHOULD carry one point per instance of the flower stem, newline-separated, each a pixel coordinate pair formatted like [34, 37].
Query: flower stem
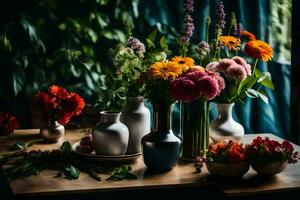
[254, 67]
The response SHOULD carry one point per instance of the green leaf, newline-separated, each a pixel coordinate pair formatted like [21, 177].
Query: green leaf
[66, 148]
[71, 172]
[75, 72]
[251, 93]
[19, 145]
[263, 76]
[249, 82]
[18, 79]
[150, 44]
[108, 34]
[152, 36]
[163, 42]
[102, 20]
[263, 97]
[122, 173]
[257, 72]
[268, 83]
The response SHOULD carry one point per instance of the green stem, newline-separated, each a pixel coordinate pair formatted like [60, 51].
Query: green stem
[254, 67]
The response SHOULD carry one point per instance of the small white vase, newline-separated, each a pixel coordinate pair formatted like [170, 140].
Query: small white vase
[136, 116]
[224, 127]
[110, 136]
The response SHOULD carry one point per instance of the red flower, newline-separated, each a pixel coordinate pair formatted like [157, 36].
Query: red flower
[73, 104]
[237, 153]
[58, 91]
[227, 152]
[287, 146]
[265, 150]
[59, 104]
[184, 89]
[8, 123]
[65, 118]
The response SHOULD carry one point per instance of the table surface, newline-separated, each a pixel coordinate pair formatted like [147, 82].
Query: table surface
[183, 175]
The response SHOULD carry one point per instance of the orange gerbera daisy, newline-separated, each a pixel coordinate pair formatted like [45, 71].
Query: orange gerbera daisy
[259, 49]
[184, 62]
[229, 41]
[165, 70]
[249, 35]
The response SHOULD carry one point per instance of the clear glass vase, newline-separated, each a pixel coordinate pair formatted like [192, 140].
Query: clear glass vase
[194, 129]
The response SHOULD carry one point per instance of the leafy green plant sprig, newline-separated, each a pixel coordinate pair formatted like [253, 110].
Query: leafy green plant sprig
[69, 165]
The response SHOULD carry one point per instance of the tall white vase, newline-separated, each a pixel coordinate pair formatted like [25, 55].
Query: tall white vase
[136, 116]
[224, 127]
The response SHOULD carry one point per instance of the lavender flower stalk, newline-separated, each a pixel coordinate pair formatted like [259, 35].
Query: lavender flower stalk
[136, 45]
[188, 29]
[237, 30]
[221, 15]
[189, 6]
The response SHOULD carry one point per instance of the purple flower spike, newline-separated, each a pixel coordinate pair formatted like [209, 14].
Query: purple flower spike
[189, 6]
[237, 30]
[188, 29]
[221, 15]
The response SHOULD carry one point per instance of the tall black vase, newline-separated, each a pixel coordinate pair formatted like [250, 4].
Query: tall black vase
[161, 148]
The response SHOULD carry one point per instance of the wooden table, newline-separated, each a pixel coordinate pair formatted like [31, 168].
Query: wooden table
[182, 176]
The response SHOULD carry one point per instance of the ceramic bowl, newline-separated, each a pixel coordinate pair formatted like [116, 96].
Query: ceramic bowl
[269, 169]
[228, 169]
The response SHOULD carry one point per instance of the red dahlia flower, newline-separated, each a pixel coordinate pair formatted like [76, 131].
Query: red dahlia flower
[8, 123]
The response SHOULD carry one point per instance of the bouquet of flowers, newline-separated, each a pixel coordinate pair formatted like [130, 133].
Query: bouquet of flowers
[8, 123]
[57, 104]
[131, 63]
[225, 52]
[226, 56]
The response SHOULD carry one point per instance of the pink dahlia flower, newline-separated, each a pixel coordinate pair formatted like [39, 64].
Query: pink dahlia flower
[236, 72]
[208, 87]
[220, 79]
[184, 89]
[213, 66]
[224, 64]
[241, 61]
[195, 75]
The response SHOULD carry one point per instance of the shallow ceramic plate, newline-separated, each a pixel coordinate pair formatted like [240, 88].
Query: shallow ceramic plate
[120, 159]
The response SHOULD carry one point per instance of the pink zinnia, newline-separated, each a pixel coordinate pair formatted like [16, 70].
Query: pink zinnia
[184, 89]
[241, 61]
[208, 87]
[224, 64]
[196, 75]
[236, 72]
[213, 66]
[220, 79]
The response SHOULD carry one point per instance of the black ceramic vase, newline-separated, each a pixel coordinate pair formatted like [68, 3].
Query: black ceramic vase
[161, 148]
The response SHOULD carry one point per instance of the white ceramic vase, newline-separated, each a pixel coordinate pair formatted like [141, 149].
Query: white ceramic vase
[224, 127]
[110, 136]
[136, 116]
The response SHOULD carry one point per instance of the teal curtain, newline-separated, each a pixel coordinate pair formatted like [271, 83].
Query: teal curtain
[269, 20]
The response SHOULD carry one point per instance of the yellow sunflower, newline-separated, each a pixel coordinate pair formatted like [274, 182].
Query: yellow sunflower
[259, 49]
[184, 62]
[165, 70]
[229, 41]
